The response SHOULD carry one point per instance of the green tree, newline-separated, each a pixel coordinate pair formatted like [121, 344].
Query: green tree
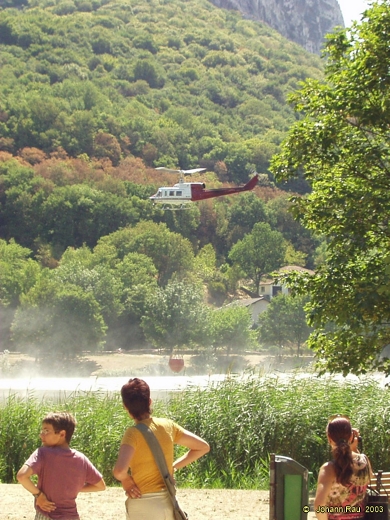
[238, 162]
[297, 321]
[73, 73]
[78, 214]
[106, 288]
[231, 328]
[145, 41]
[342, 145]
[205, 263]
[176, 316]
[259, 252]
[246, 210]
[139, 279]
[185, 223]
[170, 252]
[147, 71]
[21, 194]
[294, 257]
[280, 218]
[284, 322]
[57, 321]
[273, 327]
[18, 274]
[120, 286]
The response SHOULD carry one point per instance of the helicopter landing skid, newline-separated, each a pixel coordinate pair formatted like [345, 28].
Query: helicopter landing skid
[175, 207]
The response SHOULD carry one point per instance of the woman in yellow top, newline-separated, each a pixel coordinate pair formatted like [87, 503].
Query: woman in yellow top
[145, 483]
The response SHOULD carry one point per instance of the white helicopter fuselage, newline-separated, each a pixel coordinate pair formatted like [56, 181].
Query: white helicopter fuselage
[179, 193]
[182, 193]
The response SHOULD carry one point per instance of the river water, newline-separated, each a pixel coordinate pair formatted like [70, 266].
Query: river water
[59, 388]
[56, 388]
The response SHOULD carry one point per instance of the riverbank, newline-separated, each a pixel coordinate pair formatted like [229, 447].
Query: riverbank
[145, 363]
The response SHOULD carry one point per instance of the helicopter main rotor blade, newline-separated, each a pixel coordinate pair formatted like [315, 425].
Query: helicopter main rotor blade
[169, 170]
[195, 170]
[184, 172]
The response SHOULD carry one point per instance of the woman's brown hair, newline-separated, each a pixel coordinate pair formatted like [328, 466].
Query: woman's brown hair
[136, 398]
[340, 431]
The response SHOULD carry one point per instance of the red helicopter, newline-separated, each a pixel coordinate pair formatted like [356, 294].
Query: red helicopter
[179, 195]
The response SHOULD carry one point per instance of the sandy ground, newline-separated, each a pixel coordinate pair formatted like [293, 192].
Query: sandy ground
[200, 504]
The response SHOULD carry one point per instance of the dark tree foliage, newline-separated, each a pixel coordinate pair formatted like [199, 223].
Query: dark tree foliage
[342, 145]
[115, 78]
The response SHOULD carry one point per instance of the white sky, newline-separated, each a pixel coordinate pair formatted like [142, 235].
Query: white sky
[352, 9]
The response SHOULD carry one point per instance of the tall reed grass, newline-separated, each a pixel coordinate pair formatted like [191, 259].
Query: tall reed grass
[243, 418]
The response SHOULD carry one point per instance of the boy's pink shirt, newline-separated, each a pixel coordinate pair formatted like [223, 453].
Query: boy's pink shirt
[62, 473]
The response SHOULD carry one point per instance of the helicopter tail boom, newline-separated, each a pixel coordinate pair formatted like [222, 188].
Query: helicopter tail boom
[198, 193]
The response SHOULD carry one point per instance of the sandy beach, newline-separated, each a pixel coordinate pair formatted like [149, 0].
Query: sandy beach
[200, 504]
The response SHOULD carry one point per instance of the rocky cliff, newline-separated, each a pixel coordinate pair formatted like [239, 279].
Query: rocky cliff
[303, 21]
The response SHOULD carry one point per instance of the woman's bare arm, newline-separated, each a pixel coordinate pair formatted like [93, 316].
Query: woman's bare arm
[326, 477]
[197, 448]
[121, 470]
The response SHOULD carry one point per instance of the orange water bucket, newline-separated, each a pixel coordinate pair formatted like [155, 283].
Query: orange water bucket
[176, 364]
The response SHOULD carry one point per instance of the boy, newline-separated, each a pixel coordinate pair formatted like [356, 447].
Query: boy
[62, 472]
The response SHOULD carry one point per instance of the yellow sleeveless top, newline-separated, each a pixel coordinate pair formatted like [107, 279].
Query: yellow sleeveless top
[142, 465]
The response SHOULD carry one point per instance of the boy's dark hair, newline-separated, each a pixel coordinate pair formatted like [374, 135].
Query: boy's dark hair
[61, 421]
[136, 397]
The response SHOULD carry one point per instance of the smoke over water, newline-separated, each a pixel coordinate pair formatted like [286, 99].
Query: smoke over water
[108, 371]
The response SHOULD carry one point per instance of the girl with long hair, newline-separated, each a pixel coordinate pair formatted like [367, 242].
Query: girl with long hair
[342, 482]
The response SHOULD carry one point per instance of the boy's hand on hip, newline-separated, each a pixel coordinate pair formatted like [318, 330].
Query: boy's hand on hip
[44, 503]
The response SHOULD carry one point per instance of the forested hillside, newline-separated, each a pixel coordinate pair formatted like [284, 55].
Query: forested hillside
[93, 96]
[177, 83]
